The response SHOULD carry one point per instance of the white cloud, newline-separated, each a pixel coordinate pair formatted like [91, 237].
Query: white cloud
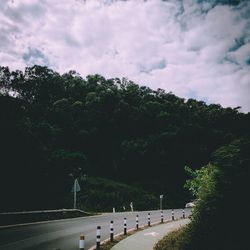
[194, 50]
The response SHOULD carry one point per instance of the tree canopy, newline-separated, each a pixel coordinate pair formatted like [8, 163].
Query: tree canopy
[56, 127]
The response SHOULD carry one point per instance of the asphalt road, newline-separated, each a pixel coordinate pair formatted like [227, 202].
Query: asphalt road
[64, 234]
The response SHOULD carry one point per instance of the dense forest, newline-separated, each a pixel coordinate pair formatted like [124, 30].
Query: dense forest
[55, 128]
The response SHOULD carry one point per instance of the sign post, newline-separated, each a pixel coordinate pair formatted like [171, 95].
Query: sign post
[131, 206]
[161, 197]
[75, 188]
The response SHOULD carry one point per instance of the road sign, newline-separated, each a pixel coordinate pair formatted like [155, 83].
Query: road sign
[76, 187]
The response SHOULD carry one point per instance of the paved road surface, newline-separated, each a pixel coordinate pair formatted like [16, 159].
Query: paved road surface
[64, 235]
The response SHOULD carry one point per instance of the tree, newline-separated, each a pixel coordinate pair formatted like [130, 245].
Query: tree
[117, 125]
[220, 189]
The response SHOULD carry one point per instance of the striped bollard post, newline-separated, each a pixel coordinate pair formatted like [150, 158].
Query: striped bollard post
[137, 222]
[161, 216]
[149, 219]
[172, 214]
[98, 238]
[125, 226]
[183, 214]
[111, 231]
[81, 242]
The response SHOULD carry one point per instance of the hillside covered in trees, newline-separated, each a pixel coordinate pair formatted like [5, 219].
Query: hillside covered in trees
[55, 128]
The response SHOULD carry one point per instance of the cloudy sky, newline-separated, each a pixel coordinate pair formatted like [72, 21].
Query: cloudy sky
[194, 48]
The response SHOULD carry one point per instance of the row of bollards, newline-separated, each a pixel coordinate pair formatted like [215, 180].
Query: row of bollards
[98, 232]
[183, 214]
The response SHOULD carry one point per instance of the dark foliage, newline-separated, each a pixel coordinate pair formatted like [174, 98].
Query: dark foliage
[220, 219]
[55, 128]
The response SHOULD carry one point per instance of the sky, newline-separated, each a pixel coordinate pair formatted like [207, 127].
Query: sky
[194, 48]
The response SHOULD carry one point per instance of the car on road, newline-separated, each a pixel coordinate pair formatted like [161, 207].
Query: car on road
[190, 204]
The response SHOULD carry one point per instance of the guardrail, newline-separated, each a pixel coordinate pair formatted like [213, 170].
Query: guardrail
[22, 217]
[42, 211]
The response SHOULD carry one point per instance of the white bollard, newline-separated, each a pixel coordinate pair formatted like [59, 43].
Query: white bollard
[125, 226]
[81, 242]
[183, 214]
[98, 238]
[149, 219]
[137, 222]
[111, 231]
[161, 216]
[172, 214]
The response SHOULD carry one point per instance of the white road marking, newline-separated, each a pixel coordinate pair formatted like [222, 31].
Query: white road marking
[154, 234]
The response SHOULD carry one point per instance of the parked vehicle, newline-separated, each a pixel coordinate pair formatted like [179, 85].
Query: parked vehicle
[190, 204]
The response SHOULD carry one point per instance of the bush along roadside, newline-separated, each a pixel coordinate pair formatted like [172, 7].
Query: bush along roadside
[221, 191]
[102, 195]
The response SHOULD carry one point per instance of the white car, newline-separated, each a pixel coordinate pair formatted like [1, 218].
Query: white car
[190, 204]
